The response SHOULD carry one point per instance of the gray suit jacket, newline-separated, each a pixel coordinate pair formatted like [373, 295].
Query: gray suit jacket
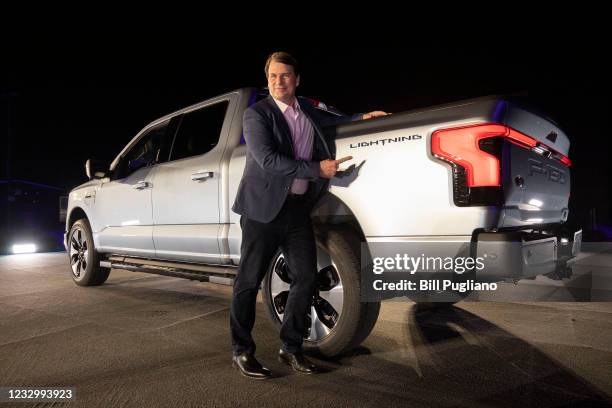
[270, 165]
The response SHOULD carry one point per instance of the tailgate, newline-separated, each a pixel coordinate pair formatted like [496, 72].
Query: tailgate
[535, 179]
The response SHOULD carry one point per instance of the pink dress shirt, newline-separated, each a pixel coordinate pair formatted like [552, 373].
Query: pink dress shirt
[302, 135]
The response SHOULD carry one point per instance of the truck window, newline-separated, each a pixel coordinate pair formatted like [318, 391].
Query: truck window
[199, 131]
[148, 151]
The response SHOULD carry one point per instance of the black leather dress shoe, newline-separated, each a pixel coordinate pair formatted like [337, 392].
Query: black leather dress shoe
[297, 361]
[250, 367]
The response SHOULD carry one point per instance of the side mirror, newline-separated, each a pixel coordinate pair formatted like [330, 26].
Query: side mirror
[95, 168]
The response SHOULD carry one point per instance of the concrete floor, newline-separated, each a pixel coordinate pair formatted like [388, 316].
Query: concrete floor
[147, 340]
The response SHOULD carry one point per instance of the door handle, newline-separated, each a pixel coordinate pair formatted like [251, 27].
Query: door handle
[140, 185]
[201, 175]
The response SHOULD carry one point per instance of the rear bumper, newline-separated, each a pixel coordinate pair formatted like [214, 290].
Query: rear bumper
[525, 254]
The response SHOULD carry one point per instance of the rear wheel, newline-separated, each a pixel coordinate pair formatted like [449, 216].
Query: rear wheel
[84, 259]
[338, 319]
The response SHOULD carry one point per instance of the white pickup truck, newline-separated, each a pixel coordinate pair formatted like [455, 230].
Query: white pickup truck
[466, 172]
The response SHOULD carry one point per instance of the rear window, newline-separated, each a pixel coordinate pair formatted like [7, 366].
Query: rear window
[199, 131]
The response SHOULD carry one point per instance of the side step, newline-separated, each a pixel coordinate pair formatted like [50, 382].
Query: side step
[221, 274]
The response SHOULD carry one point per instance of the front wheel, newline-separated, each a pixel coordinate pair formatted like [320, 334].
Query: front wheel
[84, 259]
[338, 319]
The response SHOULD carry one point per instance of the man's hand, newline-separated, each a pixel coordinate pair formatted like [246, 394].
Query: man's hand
[328, 168]
[374, 114]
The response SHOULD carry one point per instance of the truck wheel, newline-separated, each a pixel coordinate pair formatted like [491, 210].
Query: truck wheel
[339, 321]
[84, 259]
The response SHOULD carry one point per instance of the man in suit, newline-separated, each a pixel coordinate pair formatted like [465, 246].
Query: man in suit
[288, 166]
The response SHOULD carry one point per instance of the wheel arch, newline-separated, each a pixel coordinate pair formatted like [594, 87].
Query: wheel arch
[332, 213]
[76, 214]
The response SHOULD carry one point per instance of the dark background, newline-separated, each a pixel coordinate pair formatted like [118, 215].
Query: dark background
[61, 105]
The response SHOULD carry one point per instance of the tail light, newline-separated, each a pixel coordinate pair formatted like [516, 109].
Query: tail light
[317, 103]
[474, 153]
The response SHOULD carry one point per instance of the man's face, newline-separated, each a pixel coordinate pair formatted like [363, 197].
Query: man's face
[282, 82]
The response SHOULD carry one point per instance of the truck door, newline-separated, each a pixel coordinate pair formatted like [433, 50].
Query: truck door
[186, 188]
[122, 206]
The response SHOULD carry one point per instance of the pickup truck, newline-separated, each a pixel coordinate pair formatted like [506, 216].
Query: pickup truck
[473, 171]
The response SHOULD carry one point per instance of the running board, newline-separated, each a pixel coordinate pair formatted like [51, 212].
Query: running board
[204, 273]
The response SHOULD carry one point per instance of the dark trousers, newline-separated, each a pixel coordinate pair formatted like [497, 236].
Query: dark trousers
[292, 231]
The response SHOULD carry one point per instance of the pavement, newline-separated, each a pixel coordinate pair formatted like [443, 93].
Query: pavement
[154, 341]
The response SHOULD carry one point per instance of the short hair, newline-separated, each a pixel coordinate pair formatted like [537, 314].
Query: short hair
[283, 58]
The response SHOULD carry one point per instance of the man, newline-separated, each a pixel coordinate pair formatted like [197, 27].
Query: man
[288, 165]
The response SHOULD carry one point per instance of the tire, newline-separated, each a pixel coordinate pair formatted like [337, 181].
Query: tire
[84, 259]
[339, 281]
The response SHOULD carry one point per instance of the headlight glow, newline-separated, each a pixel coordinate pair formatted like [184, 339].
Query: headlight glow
[24, 248]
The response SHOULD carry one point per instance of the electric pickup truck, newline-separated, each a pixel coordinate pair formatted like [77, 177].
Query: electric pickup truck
[473, 171]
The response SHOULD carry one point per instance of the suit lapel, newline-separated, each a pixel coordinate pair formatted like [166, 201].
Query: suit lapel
[321, 137]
